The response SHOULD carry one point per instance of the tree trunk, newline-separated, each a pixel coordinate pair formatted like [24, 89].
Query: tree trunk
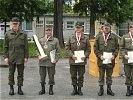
[58, 29]
[92, 23]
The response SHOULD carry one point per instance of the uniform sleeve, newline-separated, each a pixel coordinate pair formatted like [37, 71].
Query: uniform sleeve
[68, 48]
[115, 53]
[96, 48]
[26, 47]
[122, 47]
[6, 46]
[88, 48]
[57, 51]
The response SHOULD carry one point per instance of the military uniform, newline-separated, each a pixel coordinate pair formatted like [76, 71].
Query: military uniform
[126, 46]
[78, 68]
[110, 46]
[52, 44]
[16, 49]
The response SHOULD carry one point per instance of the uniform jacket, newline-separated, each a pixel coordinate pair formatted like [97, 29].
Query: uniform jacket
[125, 46]
[112, 47]
[53, 44]
[16, 46]
[71, 46]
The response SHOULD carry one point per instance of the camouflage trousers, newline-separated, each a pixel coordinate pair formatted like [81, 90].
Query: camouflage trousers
[20, 70]
[77, 74]
[43, 72]
[109, 71]
[128, 69]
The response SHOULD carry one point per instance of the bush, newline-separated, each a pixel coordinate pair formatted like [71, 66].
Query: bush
[32, 49]
[63, 53]
[1, 45]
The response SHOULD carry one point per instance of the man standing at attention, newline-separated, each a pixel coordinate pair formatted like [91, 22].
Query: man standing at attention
[106, 45]
[16, 54]
[126, 46]
[47, 65]
[78, 42]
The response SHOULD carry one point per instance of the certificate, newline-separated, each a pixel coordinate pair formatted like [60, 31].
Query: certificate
[130, 55]
[107, 56]
[79, 54]
[52, 55]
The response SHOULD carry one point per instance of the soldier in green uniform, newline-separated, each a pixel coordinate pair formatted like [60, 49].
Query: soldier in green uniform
[16, 54]
[78, 42]
[126, 46]
[47, 65]
[106, 42]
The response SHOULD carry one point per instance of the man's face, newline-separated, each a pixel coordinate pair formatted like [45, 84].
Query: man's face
[78, 29]
[106, 30]
[15, 26]
[131, 29]
[48, 31]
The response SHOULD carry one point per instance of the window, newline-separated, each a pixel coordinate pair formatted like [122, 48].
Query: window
[49, 23]
[123, 29]
[28, 25]
[70, 24]
[39, 24]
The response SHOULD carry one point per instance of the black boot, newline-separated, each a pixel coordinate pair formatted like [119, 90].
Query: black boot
[11, 90]
[20, 92]
[51, 90]
[101, 91]
[109, 91]
[128, 91]
[132, 91]
[42, 90]
[74, 90]
[79, 91]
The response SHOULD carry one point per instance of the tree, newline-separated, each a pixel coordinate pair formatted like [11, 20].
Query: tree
[114, 11]
[58, 29]
[24, 9]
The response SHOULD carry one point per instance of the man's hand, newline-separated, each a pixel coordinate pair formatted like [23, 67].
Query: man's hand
[102, 58]
[6, 61]
[82, 58]
[113, 57]
[25, 60]
[74, 58]
[53, 62]
[126, 57]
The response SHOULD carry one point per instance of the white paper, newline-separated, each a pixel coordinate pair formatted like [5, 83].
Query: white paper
[130, 55]
[52, 55]
[107, 56]
[79, 54]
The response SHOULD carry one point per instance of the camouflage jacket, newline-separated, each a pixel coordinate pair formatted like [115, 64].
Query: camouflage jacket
[125, 46]
[71, 46]
[16, 46]
[112, 47]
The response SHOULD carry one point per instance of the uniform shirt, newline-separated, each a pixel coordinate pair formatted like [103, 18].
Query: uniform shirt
[71, 46]
[112, 46]
[52, 44]
[125, 46]
[16, 46]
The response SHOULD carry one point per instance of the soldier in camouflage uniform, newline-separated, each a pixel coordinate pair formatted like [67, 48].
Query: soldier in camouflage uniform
[125, 47]
[106, 42]
[48, 43]
[16, 53]
[75, 43]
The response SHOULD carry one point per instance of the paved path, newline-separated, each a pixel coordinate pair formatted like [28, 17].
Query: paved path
[63, 88]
